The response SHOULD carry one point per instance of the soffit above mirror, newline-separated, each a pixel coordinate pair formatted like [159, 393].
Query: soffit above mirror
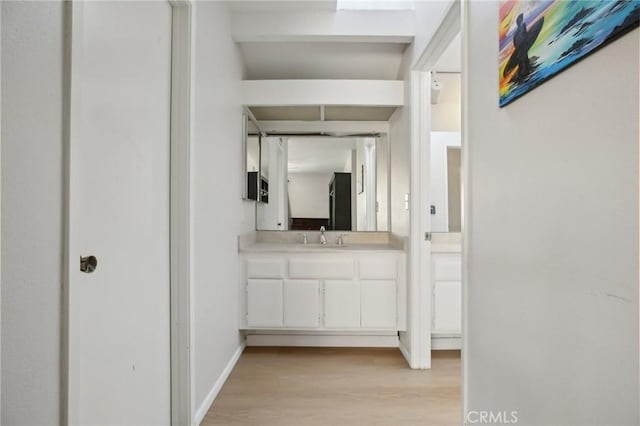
[316, 113]
[322, 60]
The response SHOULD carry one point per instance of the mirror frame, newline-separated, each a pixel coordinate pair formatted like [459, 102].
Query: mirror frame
[245, 178]
[246, 117]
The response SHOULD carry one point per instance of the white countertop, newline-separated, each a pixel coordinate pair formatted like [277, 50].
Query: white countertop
[291, 242]
[318, 248]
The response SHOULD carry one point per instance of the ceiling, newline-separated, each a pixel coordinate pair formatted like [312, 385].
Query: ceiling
[451, 59]
[322, 60]
[276, 6]
[318, 155]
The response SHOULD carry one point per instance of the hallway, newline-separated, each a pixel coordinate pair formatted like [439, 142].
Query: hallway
[337, 386]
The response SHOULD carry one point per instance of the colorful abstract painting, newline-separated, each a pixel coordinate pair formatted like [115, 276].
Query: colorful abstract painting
[539, 39]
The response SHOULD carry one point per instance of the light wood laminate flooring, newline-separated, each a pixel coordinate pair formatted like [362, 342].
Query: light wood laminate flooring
[338, 386]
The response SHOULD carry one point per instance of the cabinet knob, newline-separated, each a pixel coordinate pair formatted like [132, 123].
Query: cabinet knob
[88, 264]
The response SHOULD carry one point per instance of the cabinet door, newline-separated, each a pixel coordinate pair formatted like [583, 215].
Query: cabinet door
[447, 305]
[341, 304]
[301, 303]
[264, 303]
[378, 304]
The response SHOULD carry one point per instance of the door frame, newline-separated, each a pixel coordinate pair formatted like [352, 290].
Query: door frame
[420, 255]
[182, 387]
[179, 217]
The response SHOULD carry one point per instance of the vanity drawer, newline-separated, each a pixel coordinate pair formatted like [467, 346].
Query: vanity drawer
[447, 268]
[379, 268]
[265, 268]
[321, 268]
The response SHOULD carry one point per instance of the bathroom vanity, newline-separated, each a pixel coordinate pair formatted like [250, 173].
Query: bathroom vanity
[446, 282]
[323, 295]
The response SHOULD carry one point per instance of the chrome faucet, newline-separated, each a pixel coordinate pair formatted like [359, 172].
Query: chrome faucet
[323, 239]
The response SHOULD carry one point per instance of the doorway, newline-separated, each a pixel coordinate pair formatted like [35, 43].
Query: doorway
[437, 219]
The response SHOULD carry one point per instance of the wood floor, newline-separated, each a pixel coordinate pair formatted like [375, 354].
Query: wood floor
[335, 387]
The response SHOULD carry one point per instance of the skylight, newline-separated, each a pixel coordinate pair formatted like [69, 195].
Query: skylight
[375, 4]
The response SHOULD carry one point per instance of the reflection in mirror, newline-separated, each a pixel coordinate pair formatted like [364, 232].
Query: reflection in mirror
[272, 212]
[253, 165]
[340, 183]
[446, 184]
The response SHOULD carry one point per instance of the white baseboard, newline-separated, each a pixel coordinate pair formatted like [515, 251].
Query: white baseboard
[217, 386]
[405, 353]
[315, 340]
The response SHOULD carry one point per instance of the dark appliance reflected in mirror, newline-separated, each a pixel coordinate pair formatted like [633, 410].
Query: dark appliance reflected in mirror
[340, 202]
[252, 189]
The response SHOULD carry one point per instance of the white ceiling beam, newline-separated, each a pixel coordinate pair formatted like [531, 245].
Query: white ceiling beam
[335, 127]
[324, 26]
[323, 92]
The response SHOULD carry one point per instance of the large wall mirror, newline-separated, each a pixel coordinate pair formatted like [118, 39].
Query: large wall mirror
[304, 182]
[254, 182]
[446, 183]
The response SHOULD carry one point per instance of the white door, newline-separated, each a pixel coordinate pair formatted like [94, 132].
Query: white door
[119, 347]
[379, 304]
[302, 303]
[447, 309]
[264, 303]
[341, 304]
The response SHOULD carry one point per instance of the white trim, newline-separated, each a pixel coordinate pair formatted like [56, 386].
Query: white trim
[66, 113]
[0, 196]
[420, 265]
[405, 352]
[466, 200]
[181, 389]
[217, 386]
[308, 340]
[344, 127]
[420, 256]
[192, 320]
[446, 32]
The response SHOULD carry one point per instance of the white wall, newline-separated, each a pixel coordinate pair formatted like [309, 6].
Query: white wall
[218, 213]
[446, 115]
[32, 211]
[552, 284]
[309, 195]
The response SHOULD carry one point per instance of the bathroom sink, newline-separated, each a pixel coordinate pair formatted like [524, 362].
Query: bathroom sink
[327, 246]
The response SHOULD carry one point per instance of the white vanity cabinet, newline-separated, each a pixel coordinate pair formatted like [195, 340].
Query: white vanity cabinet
[315, 291]
[264, 303]
[301, 303]
[341, 304]
[446, 273]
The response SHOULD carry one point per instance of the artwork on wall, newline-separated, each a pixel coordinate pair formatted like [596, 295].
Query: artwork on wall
[540, 38]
